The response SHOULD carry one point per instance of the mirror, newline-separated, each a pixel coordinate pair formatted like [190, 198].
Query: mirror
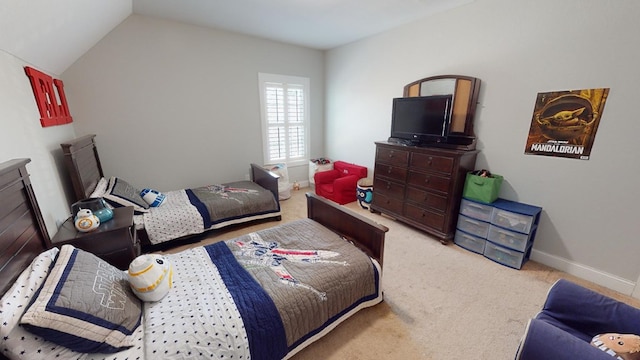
[465, 90]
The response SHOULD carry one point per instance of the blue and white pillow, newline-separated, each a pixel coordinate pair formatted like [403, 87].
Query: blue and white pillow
[85, 305]
[152, 197]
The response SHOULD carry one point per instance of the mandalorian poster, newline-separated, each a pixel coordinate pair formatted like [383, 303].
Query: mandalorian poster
[564, 123]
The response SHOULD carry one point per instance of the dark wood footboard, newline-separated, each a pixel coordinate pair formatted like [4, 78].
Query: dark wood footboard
[265, 178]
[364, 233]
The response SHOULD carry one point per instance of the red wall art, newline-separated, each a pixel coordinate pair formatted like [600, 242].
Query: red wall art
[50, 98]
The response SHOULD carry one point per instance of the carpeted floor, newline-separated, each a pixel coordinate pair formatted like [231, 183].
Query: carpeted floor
[441, 301]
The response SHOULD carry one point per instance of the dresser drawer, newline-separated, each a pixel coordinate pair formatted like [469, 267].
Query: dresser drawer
[427, 199]
[391, 171]
[504, 256]
[386, 187]
[476, 210]
[432, 219]
[390, 204]
[392, 156]
[432, 162]
[510, 239]
[428, 181]
[469, 242]
[473, 226]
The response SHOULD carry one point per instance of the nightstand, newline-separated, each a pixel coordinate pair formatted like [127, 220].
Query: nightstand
[114, 241]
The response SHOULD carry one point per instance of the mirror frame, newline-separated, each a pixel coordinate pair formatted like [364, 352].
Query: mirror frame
[465, 99]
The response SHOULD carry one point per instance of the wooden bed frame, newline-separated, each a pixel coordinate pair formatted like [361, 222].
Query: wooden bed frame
[85, 170]
[23, 233]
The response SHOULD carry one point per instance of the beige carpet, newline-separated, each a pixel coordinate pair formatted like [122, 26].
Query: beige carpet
[441, 301]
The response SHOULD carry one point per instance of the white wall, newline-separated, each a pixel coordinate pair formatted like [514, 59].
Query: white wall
[21, 136]
[518, 48]
[177, 105]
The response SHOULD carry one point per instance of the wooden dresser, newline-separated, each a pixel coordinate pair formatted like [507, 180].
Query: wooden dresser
[421, 186]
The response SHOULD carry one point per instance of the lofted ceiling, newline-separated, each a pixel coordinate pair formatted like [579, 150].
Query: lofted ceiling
[52, 35]
[319, 24]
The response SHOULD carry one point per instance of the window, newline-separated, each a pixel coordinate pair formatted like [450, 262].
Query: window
[284, 107]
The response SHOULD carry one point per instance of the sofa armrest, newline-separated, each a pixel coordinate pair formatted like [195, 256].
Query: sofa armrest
[347, 183]
[542, 340]
[326, 177]
[589, 312]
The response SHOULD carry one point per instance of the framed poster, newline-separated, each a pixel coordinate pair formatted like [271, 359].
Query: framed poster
[564, 123]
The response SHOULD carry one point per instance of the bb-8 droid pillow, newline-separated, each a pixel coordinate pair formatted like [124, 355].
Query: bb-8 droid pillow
[619, 346]
[150, 277]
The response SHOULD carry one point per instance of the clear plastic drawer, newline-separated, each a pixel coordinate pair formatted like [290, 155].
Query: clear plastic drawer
[510, 239]
[515, 216]
[473, 226]
[513, 221]
[476, 210]
[504, 256]
[469, 242]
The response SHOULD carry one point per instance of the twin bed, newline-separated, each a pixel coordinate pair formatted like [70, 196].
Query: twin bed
[185, 212]
[263, 295]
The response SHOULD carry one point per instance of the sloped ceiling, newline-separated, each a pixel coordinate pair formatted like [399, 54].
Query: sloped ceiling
[52, 35]
[318, 24]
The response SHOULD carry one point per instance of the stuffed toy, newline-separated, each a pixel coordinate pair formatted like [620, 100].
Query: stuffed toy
[619, 346]
[150, 277]
[85, 221]
[152, 197]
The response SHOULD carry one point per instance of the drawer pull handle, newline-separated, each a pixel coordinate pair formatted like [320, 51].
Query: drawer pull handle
[426, 180]
[389, 171]
[472, 222]
[504, 233]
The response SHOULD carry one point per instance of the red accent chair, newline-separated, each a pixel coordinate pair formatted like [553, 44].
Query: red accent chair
[340, 184]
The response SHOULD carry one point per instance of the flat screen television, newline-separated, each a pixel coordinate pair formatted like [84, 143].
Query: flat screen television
[422, 119]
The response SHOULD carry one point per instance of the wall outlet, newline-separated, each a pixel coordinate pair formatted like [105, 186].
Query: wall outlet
[246, 177]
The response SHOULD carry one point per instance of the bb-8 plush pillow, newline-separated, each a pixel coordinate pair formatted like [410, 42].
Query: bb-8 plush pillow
[619, 346]
[150, 277]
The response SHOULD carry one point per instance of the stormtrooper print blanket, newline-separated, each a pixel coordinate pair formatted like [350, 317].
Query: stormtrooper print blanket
[264, 295]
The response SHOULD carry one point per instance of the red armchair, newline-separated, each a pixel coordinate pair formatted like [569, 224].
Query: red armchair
[340, 184]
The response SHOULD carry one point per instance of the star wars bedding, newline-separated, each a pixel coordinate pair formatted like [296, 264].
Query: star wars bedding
[261, 295]
[265, 295]
[192, 211]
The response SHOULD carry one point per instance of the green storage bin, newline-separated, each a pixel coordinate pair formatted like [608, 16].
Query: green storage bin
[482, 189]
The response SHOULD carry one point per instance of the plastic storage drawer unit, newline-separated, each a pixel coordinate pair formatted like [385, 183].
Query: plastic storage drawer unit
[476, 210]
[504, 256]
[469, 242]
[515, 216]
[510, 239]
[473, 226]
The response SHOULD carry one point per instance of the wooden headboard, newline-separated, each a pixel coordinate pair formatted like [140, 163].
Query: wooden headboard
[23, 234]
[83, 164]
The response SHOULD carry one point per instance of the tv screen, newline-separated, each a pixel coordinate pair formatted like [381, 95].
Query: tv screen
[421, 119]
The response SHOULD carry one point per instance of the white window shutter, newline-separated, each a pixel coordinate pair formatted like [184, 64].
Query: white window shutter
[285, 118]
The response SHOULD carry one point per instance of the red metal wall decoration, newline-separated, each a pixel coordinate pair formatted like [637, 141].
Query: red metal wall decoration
[50, 98]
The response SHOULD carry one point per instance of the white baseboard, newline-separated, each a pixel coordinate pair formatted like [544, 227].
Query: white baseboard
[599, 277]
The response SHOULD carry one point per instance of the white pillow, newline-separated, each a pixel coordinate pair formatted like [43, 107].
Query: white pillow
[15, 301]
[101, 188]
